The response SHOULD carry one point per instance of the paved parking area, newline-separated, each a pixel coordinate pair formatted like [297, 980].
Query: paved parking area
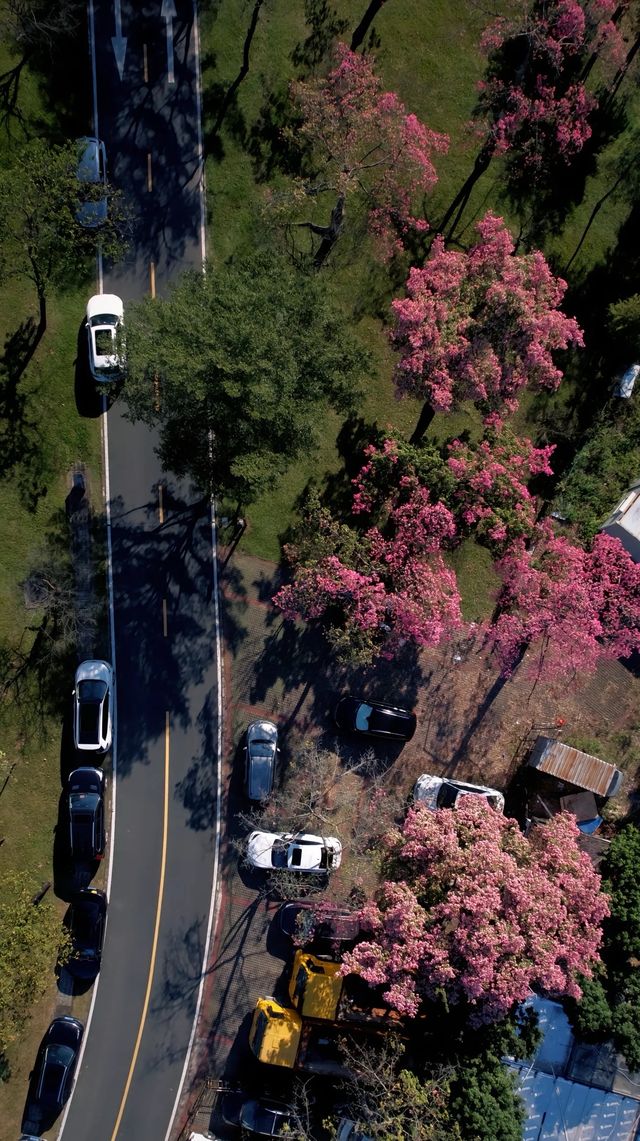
[470, 724]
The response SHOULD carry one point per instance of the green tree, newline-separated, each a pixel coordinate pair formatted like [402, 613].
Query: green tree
[624, 322]
[390, 1102]
[41, 236]
[485, 1102]
[31, 939]
[237, 367]
[610, 1002]
[622, 879]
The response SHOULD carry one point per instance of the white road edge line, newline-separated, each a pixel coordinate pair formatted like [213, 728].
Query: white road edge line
[94, 89]
[94, 75]
[114, 749]
[104, 431]
[214, 904]
[203, 208]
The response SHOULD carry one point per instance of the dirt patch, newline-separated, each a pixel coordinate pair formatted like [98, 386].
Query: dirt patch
[471, 723]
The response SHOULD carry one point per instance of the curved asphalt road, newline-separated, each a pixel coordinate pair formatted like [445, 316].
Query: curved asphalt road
[165, 640]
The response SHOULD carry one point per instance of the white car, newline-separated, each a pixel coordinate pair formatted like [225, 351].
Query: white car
[105, 317]
[93, 707]
[295, 852]
[440, 792]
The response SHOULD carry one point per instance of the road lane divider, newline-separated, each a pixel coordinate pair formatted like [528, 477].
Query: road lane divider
[160, 504]
[164, 617]
[156, 932]
[149, 173]
[152, 278]
[145, 63]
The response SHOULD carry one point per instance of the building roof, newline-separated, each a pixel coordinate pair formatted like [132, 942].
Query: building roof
[626, 514]
[575, 767]
[573, 1091]
[561, 1110]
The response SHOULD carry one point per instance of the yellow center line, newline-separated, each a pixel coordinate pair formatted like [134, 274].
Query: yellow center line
[145, 63]
[149, 173]
[164, 617]
[154, 946]
[152, 278]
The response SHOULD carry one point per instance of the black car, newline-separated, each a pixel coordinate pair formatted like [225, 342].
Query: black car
[87, 923]
[86, 814]
[331, 930]
[374, 719]
[262, 1116]
[52, 1076]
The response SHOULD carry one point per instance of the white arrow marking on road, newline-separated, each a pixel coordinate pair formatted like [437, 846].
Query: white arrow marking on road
[169, 14]
[119, 42]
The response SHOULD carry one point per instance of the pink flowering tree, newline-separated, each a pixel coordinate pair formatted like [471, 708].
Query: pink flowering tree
[484, 484]
[534, 102]
[479, 325]
[379, 589]
[480, 914]
[491, 499]
[366, 147]
[574, 607]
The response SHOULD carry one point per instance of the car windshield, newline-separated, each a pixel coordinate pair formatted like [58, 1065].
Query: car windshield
[447, 795]
[92, 690]
[260, 749]
[338, 927]
[258, 1119]
[362, 717]
[279, 854]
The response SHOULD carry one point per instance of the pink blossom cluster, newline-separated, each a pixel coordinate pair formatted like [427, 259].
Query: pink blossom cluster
[531, 122]
[491, 493]
[370, 144]
[480, 325]
[578, 607]
[481, 912]
[406, 593]
[544, 108]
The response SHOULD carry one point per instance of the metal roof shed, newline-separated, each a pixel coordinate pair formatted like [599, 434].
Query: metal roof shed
[571, 766]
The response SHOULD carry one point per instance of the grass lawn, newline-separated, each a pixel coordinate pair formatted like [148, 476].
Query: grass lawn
[41, 436]
[431, 59]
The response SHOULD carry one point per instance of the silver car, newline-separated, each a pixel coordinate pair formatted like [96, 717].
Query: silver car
[260, 756]
[440, 792]
[92, 173]
[93, 707]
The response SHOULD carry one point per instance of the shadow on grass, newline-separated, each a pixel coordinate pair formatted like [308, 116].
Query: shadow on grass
[326, 26]
[20, 442]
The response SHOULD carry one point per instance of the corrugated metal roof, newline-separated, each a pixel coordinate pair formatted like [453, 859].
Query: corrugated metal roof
[571, 765]
[560, 1109]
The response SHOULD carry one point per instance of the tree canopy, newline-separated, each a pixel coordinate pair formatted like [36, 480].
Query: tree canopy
[475, 911]
[480, 324]
[364, 145]
[42, 237]
[579, 606]
[237, 368]
[31, 939]
[609, 1003]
